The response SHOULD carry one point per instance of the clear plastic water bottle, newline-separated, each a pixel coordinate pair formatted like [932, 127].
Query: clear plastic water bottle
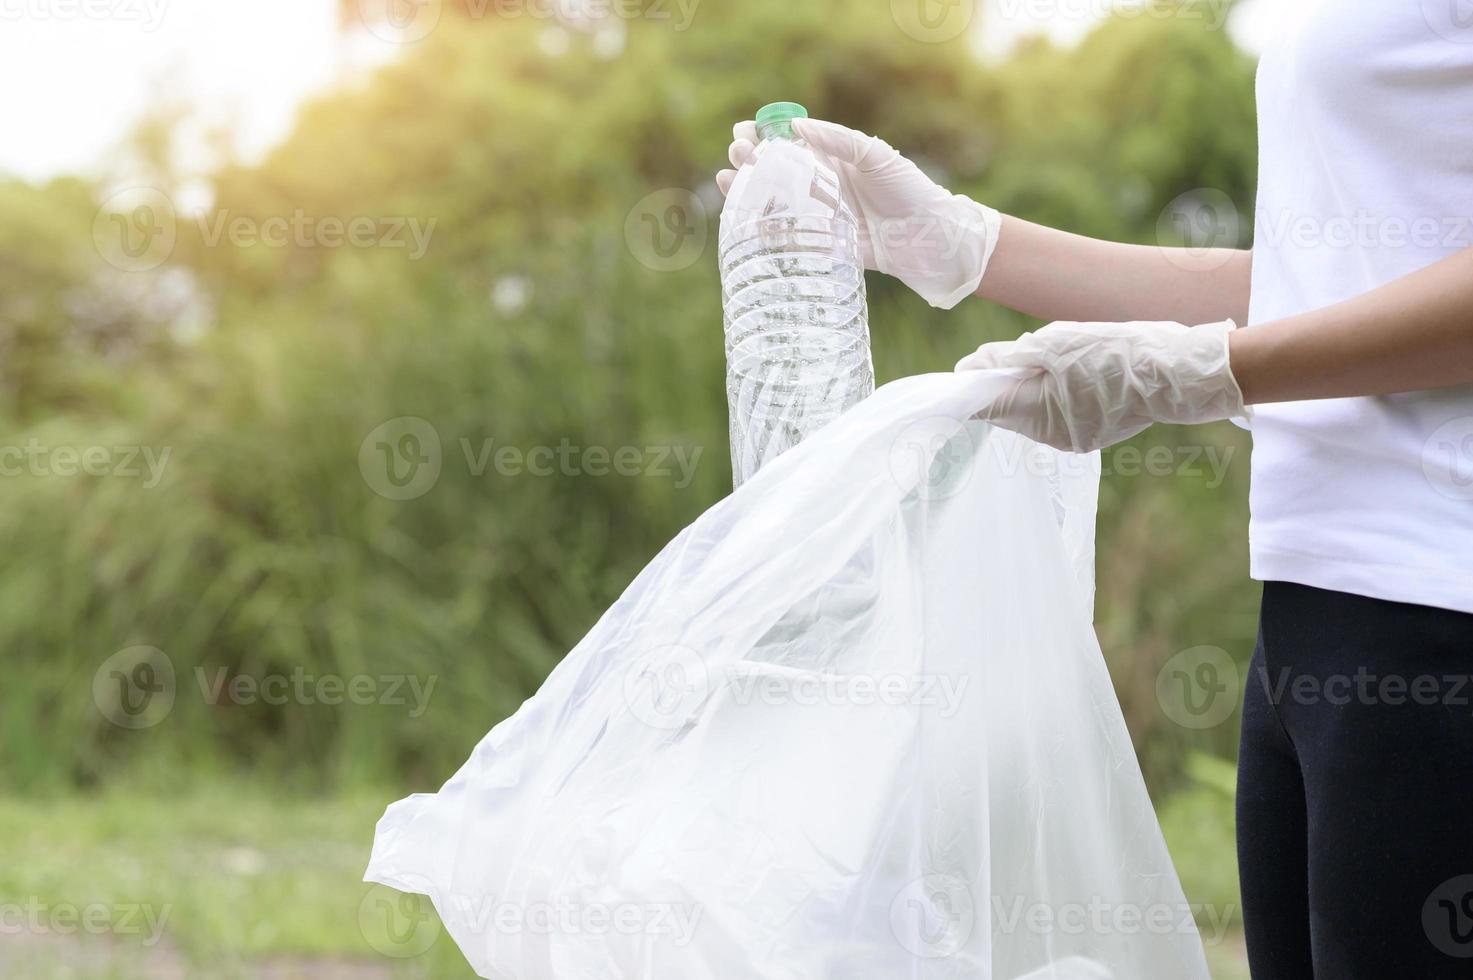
[792, 281]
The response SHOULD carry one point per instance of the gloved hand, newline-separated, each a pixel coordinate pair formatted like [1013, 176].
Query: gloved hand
[935, 242]
[1084, 386]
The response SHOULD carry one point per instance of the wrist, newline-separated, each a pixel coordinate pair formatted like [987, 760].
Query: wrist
[1245, 355]
[970, 238]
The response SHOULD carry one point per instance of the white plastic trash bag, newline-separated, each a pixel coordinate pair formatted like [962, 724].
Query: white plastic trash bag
[851, 724]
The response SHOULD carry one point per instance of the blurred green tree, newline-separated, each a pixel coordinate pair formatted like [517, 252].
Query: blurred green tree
[566, 294]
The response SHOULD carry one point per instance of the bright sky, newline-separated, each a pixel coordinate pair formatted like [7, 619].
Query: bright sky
[75, 74]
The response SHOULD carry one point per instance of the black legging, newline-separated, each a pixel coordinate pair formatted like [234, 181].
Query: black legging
[1355, 790]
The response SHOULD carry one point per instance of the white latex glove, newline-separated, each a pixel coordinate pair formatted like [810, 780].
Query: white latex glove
[1085, 386]
[935, 242]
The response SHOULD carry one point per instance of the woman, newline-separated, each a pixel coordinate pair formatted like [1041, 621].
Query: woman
[1356, 762]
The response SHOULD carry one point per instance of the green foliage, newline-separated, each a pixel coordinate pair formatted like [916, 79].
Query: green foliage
[532, 320]
[1198, 824]
[66, 320]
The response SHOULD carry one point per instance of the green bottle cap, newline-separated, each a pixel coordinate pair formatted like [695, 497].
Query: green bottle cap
[774, 120]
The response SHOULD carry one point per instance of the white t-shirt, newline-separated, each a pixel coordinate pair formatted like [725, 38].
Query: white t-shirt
[1365, 117]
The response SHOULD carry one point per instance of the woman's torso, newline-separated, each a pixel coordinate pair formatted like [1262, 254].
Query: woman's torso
[1365, 175]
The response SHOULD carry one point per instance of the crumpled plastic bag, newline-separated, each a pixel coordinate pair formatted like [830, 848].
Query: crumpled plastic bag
[851, 724]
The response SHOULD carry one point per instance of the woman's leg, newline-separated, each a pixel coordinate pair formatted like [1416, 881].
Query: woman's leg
[1273, 862]
[1375, 699]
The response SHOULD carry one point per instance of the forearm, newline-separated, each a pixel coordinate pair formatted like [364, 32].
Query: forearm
[1054, 275]
[1410, 335]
